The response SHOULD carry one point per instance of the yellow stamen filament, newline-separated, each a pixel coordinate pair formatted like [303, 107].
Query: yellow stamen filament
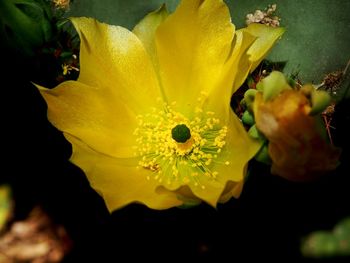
[66, 69]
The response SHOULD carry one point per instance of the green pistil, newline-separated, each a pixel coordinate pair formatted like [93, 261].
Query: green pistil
[181, 133]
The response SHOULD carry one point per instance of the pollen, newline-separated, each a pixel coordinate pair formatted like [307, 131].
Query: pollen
[177, 149]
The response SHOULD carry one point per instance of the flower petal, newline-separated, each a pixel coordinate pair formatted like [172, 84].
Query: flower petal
[145, 30]
[193, 45]
[218, 100]
[266, 37]
[115, 61]
[119, 181]
[233, 189]
[92, 116]
[239, 149]
[230, 166]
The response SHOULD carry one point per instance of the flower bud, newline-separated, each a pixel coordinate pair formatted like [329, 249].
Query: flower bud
[272, 85]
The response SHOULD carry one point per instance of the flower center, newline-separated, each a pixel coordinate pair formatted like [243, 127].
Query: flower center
[180, 150]
[181, 133]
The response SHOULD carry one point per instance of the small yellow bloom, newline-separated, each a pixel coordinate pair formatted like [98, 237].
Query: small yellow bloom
[297, 143]
[149, 117]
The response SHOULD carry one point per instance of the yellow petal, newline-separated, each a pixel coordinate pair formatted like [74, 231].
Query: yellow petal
[242, 64]
[145, 30]
[114, 61]
[232, 163]
[184, 194]
[233, 189]
[265, 38]
[193, 45]
[210, 192]
[119, 181]
[99, 119]
[240, 147]
[218, 100]
[231, 167]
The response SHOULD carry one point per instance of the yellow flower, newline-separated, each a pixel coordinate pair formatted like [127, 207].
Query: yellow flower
[298, 146]
[149, 117]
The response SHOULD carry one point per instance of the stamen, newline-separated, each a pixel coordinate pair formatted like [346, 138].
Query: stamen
[177, 149]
